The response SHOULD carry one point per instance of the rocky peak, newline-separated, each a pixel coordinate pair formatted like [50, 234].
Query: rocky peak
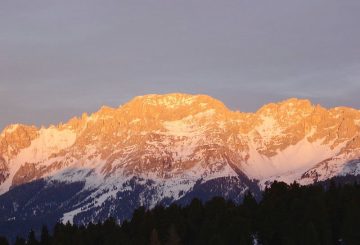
[175, 100]
[171, 106]
[289, 108]
[16, 137]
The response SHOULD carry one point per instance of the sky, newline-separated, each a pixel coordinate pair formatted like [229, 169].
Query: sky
[61, 58]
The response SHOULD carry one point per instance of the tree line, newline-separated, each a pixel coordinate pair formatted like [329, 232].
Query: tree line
[286, 215]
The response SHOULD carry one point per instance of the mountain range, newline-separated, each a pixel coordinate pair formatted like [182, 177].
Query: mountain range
[160, 149]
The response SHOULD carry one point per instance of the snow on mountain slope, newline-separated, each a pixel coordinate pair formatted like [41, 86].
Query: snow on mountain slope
[48, 142]
[164, 147]
[293, 159]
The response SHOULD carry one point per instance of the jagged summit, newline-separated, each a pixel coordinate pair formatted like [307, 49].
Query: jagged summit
[152, 107]
[292, 105]
[177, 105]
[181, 104]
[173, 100]
[174, 103]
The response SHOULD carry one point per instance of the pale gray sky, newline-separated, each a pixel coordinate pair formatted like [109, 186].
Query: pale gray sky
[61, 58]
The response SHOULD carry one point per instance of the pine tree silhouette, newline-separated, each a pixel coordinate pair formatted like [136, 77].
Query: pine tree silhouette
[45, 237]
[154, 238]
[32, 239]
[3, 241]
[19, 241]
[173, 238]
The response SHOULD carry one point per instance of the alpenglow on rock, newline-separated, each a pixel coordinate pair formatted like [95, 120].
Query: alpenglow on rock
[169, 148]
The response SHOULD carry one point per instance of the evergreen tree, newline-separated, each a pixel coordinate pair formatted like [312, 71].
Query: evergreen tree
[19, 241]
[249, 201]
[45, 237]
[311, 235]
[288, 214]
[215, 239]
[111, 231]
[351, 224]
[32, 239]
[154, 238]
[3, 241]
[276, 239]
[173, 237]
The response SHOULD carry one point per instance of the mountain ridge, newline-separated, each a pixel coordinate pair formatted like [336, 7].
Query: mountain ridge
[143, 112]
[167, 148]
[106, 109]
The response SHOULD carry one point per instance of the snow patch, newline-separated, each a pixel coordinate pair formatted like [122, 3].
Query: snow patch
[49, 141]
[12, 128]
[187, 126]
[69, 216]
[268, 128]
[357, 122]
[289, 163]
[135, 120]
[179, 128]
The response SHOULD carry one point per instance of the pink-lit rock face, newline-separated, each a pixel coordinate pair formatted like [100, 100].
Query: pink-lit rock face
[177, 137]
